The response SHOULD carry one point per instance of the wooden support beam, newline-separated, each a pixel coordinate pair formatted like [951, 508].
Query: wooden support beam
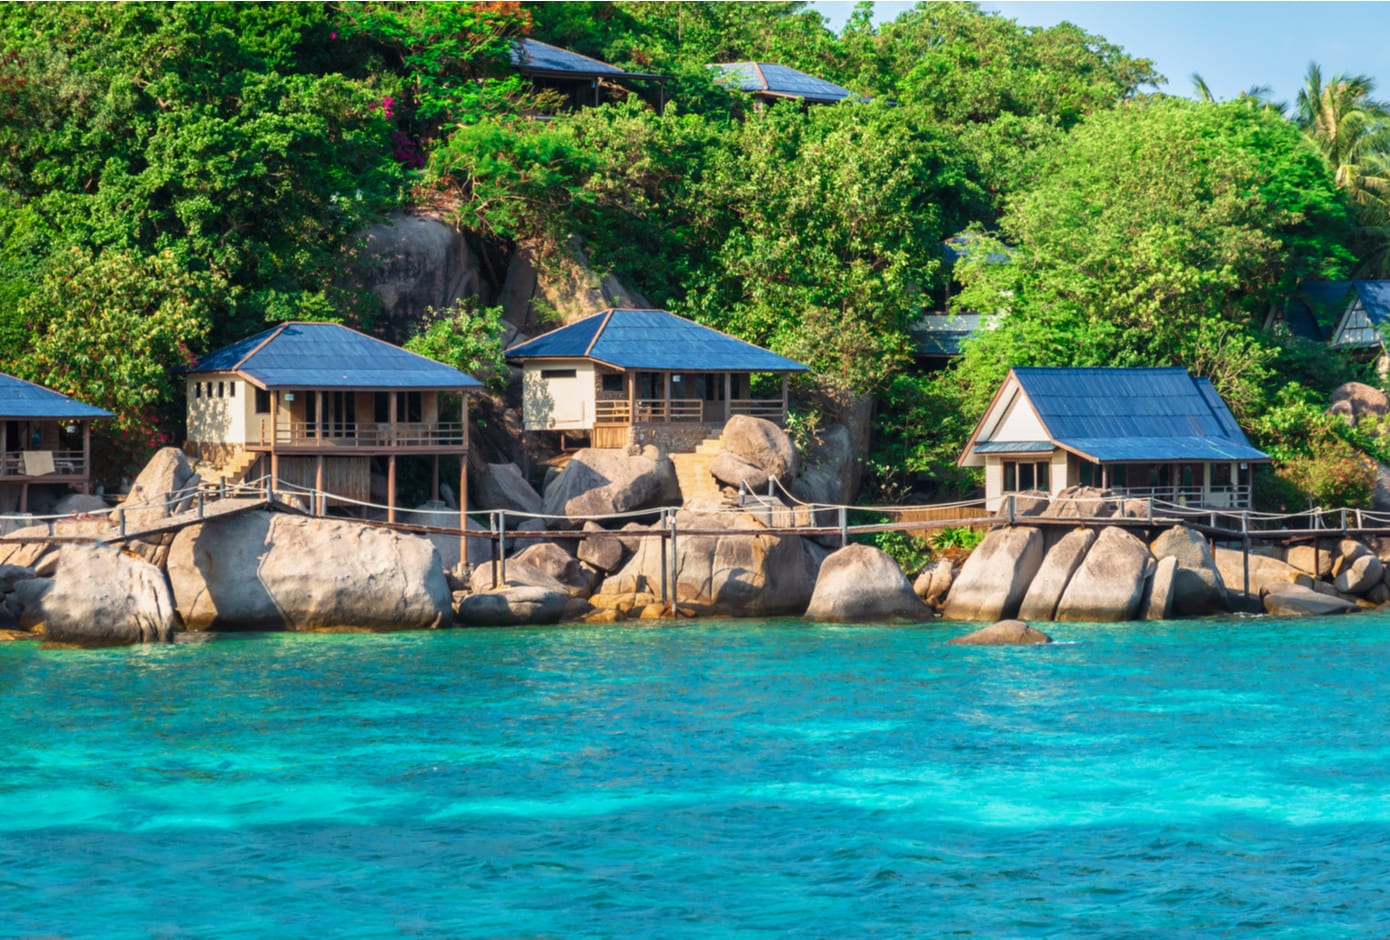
[391, 488]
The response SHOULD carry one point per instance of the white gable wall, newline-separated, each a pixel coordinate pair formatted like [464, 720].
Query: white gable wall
[558, 395]
[214, 418]
[1019, 423]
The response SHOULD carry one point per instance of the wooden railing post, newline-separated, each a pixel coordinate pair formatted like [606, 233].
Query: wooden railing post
[1010, 499]
[844, 527]
[120, 519]
[1245, 549]
[492, 531]
[200, 504]
[675, 566]
[501, 548]
[665, 592]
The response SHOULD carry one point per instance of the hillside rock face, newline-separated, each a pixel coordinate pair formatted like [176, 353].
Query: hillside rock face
[859, 584]
[994, 579]
[267, 571]
[421, 262]
[755, 451]
[101, 596]
[1356, 400]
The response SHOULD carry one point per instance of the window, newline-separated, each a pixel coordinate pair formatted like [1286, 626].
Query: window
[410, 406]
[262, 402]
[1020, 475]
[613, 382]
[197, 389]
[558, 373]
[231, 390]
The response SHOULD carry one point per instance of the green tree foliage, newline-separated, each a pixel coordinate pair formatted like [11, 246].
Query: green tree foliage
[468, 338]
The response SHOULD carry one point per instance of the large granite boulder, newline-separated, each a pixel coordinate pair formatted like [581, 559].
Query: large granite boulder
[1004, 633]
[1058, 566]
[740, 572]
[1158, 604]
[601, 482]
[1296, 600]
[101, 596]
[1197, 585]
[1109, 584]
[1358, 400]
[1082, 502]
[1360, 576]
[934, 583]
[267, 571]
[755, 451]
[419, 263]
[826, 469]
[1311, 560]
[550, 559]
[1264, 571]
[504, 487]
[601, 550]
[994, 579]
[861, 584]
[485, 578]
[165, 487]
[512, 607]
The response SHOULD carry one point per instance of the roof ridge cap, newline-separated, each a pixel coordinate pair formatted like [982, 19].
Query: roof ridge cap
[259, 346]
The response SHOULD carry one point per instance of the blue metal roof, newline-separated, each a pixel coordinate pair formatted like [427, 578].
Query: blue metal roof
[767, 78]
[21, 399]
[531, 55]
[1375, 297]
[329, 355]
[939, 334]
[652, 339]
[1014, 447]
[1118, 415]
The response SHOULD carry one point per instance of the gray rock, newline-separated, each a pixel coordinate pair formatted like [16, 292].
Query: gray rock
[549, 558]
[758, 443]
[731, 470]
[859, 584]
[1361, 575]
[262, 570]
[28, 601]
[10, 575]
[1109, 584]
[1264, 571]
[607, 482]
[420, 263]
[994, 579]
[1311, 560]
[828, 469]
[744, 573]
[603, 552]
[1058, 566]
[517, 574]
[1294, 600]
[934, 583]
[504, 487]
[512, 607]
[1082, 502]
[101, 596]
[1004, 633]
[1198, 588]
[80, 503]
[1158, 605]
[1361, 399]
[165, 487]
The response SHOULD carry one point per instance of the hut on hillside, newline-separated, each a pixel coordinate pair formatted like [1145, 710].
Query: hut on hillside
[45, 442]
[1157, 433]
[625, 377]
[319, 406]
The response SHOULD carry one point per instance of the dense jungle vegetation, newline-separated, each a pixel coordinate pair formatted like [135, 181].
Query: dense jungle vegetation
[176, 176]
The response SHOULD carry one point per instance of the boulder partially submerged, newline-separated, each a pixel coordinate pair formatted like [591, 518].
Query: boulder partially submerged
[101, 596]
[860, 583]
[1004, 633]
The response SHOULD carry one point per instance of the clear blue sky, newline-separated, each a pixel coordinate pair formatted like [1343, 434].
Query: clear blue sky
[1233, 45]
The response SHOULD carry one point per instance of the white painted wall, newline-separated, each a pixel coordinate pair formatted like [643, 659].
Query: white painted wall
[214, 419]
[558, 404]
[1019, 423]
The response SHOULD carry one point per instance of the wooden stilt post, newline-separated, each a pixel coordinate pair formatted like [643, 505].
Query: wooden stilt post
[86, 456]
[665, 531]
[675, 570]
[494, 542]
[844, 527]
[1245, 548]
[391, 488]
[728, 396]
[320, 501]
[501, 548]
[434, 480]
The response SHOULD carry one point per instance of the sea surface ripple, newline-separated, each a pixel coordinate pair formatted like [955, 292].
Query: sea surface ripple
[714, 779]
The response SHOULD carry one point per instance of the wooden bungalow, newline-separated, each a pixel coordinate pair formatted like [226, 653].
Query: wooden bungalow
[317, 405]
[644, 376]
[1141, 432]
[769, 83]
[582, 81]
[1346, 315]
[45, 440]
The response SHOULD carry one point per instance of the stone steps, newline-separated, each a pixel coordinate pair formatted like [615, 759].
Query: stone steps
[692, 471]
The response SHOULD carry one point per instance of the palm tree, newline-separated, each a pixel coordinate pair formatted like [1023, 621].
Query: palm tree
[1255, 94]
[1351, 128]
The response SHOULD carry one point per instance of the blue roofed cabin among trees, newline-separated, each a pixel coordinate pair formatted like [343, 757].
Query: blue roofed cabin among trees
[629, 376]
[1142, 432]
[45, 441]
[768, 83]
[582, 81]
[1347, 315]
[322, 407]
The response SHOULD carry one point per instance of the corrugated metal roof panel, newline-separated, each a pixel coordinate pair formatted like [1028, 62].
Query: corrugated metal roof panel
[534, 55]
[937, 334]
[770, 78]
[329, 355]
[1135, 414]
[1013, 447]
[652, 339]
[1375, 297]
[21, 399]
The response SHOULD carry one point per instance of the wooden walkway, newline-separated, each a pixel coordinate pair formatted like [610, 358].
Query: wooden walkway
[119, 532]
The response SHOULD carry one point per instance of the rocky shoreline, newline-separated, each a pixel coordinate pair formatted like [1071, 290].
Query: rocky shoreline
[78, 582]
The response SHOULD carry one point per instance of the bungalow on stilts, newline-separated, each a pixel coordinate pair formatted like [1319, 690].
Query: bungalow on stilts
[319, 406]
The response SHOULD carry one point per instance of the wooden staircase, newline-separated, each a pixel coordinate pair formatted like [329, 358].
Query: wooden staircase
[692, 470]
[234, 472]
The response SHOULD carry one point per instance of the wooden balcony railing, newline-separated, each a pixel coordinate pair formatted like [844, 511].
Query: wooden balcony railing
[685, 410]
[66, 463]
[332, 435]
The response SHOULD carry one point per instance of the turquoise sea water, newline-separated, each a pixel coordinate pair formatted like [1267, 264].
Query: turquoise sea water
[720, 779]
